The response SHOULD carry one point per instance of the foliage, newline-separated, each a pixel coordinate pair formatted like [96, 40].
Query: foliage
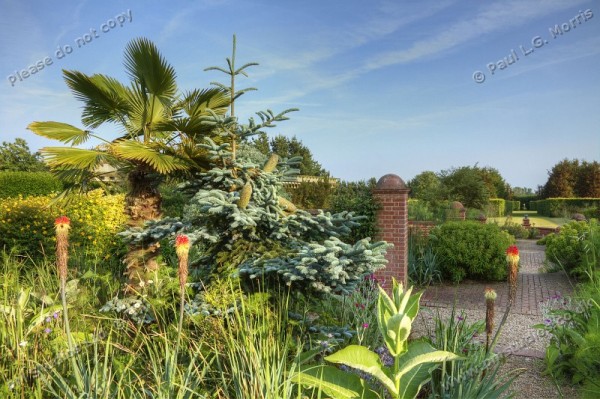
[496, 207]
[574, 324]
[516, 229]
[246, 228]
[13, 184]
[27, 224]
[471, 250]
[426, 187]
[572, 178]
[412, 363]
[312, 195]
[476, 374]
[16, 157]
[424, 266]
[287, 147]
[258, 352]
[565, 207]
[567, 248]
[357, 197]
[466, 185]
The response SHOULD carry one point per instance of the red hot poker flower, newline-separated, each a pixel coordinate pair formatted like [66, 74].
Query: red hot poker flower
[62, 223]
[512, 254]
[182, 245]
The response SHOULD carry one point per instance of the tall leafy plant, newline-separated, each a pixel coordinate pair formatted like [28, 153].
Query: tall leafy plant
[413, 362]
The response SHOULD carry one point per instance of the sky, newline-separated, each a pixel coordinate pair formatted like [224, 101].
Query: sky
[382, 86]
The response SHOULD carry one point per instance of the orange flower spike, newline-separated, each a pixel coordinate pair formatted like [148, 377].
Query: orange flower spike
[182, 245]
[182, 248]
[512, 254]
[62, 225]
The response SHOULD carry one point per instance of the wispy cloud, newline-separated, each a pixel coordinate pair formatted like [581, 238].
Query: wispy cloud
[495, 17]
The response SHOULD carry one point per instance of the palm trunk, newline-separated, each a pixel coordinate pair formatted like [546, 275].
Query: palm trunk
[142, 204]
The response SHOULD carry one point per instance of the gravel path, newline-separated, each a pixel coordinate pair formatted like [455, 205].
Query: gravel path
[523, 345]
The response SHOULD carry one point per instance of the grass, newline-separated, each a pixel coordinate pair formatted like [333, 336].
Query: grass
[534, 219]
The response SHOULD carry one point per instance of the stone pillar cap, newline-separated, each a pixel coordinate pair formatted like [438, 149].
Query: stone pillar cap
[391, 182]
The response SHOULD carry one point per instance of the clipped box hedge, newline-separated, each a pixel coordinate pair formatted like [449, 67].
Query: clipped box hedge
[563, 207]
[496, 207]
[13, 184]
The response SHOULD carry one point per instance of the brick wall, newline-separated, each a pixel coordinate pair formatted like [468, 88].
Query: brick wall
[392, 220]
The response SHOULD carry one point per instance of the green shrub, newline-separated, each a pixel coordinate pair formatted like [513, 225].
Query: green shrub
[516, 230]
[567, 247]
[13, 184]
[471, 250]
[512, 206]
[27, 224]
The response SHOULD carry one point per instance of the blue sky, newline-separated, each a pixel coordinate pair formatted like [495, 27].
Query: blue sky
[382, 86]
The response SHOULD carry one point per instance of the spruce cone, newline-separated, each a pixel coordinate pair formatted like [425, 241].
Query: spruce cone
[245, 195]
[271, 164]
[287, 206]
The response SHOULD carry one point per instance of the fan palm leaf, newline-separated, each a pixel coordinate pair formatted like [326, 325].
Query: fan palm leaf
[62, 132]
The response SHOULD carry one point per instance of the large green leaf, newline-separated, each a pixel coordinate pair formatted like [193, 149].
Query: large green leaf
[412, 307]
[63, 132]
[361, 358]
[137, 151]
[334, 382]
[412, 381]
[419, 353]
[197, 102]
[73, 158]
[104, 97]
[146, 66]
[397, 331]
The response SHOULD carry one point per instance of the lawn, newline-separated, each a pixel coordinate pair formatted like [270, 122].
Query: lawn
[534, 219]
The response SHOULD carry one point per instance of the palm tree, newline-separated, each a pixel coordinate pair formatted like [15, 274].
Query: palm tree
[159, 130]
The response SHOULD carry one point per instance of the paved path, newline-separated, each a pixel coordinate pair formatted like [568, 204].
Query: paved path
[533, 287]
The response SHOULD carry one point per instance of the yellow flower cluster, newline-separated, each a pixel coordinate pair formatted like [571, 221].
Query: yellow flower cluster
[27, 223]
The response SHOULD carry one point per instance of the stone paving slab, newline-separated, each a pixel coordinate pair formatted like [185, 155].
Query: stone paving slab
[534, 287]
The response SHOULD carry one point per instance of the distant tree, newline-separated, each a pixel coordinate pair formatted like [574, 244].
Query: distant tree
[588, 180]
[494, 182]
[357, 197]
[289, 148]
[261, 143]
[522, 191]
[426, 186]
[466, 185]
[313, 195]
[16, 157]
[562, 180]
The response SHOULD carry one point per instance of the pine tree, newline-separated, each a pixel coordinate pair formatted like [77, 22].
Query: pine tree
[244, 227]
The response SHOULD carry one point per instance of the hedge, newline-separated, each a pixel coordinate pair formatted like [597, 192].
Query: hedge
[27, 224]
[13, 184]
[563, 207]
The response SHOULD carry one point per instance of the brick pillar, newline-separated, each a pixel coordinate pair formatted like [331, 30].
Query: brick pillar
[392, 220]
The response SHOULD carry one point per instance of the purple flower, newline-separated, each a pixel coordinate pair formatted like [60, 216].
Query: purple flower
[56, 315]
[48, 319]
[365, 325]
[47, 330]
[460, 318]
[548, 321]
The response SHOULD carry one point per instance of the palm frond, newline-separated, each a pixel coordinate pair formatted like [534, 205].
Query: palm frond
[104, 97]
[62, 132]
[73, 158]
[196, 102]
[149, 68]
[136, 151]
